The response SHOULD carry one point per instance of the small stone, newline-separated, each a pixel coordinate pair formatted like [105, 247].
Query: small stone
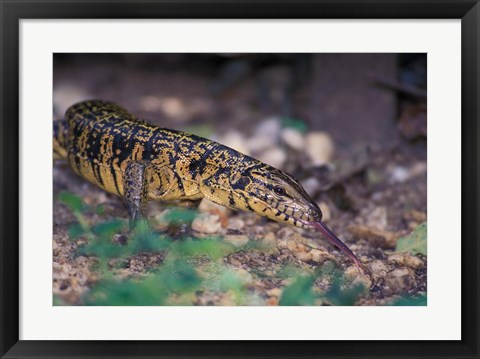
[387, 238]
[399, 174]
[273, 156]
[207, 206]
[319, 147]
[235, 140]
[293, 138]
[418, 169]
[400, 279]
[269, 127]
[65, 95]
[293, 242]
[266, 135]
[406, 259]
[377, 218]
[270, 239]
[235, 224]
[354, 276]
[238, 240]
[378, 269]
[82, 260]
[417, 216]
[325, 211]
[310, 185]
[207, 223]
[274, 292]
[55, 248]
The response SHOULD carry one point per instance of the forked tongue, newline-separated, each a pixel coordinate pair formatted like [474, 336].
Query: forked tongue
[332, 237]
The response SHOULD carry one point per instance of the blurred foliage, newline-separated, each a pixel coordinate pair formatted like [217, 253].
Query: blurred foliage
[415, 242]
[418, 300]
[189, 267]
[206, 131]
[295, 123]
[300, 292]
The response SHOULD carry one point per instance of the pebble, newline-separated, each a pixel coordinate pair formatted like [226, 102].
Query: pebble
[207, 206]
[388, 239]
[66, 95]
[325, 211]
[416, 216]
[377, 218]
[238, 240]
[310, 185]
[266, 135]
[401, 174]
[274, 292]
[273, 156]
[236, 224]
[400, 279]
[406, 259]
[270, 240]
[269, 127]
[56, 250]
[378, 269]
[355, 277]
[293, 138]
[319, 147]
[235, 140]
[293, 242]
[207, 223]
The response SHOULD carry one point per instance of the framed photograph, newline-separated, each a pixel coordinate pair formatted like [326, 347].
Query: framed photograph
[255, 179]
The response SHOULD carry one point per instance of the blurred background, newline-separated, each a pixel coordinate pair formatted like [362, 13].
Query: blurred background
[351, 127]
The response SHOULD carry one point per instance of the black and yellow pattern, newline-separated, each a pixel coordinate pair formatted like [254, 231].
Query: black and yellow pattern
[138, 161]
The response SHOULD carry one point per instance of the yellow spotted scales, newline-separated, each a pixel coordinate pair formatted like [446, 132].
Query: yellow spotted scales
[137, 161]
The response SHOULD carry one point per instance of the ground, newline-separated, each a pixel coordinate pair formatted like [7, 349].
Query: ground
[372, 194]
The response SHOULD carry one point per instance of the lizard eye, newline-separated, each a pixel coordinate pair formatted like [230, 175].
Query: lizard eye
[279, 190]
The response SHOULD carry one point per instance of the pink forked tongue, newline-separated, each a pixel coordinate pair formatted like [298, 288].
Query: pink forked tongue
[332, 237]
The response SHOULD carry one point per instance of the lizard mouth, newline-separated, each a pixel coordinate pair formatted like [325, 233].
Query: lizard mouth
[333, 238]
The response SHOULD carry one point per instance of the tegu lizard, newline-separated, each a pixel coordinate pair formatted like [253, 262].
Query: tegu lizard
[137, 161]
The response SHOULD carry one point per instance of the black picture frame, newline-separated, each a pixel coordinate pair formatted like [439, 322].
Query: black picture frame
[12, 11]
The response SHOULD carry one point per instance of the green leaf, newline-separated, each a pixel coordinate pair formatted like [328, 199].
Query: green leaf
[299, 292]
[72, 201]
[148, 242]
[108, 228]
[295, 123]
[340, 294]
[100, 209]
[180, 215]
[129, 292]
[419, 300]
[415, 242]
[200, 130]
[103, 249]
[75, 230]
[211, 247]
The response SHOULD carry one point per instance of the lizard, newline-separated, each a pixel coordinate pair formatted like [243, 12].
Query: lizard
[137, 161]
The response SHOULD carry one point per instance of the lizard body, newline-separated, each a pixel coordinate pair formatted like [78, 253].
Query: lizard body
[137, 161]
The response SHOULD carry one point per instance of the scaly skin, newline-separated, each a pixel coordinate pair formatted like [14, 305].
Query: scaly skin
[139, 162]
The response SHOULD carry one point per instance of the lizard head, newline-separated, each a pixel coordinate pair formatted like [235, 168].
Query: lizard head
[274, 194]
[277, 195]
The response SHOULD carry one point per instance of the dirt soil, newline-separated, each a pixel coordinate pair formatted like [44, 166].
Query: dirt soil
[371, 194]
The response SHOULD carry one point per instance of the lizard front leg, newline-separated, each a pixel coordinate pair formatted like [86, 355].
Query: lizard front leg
[135, 186]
